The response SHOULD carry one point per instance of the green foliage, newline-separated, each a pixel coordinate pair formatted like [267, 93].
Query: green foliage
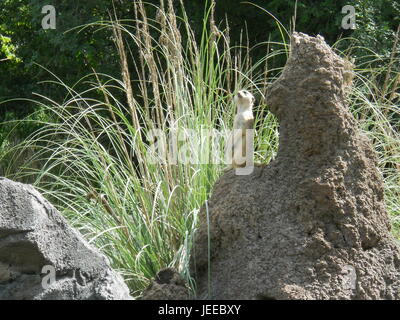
[377, 22]
[8, 50]
[66, 54]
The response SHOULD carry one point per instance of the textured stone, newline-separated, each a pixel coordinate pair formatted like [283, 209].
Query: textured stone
[33, 234]
[167, 285]
[312, 224]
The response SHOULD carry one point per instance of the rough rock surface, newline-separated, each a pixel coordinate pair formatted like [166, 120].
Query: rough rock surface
[167, 285]
[312, 224]
[33, 234]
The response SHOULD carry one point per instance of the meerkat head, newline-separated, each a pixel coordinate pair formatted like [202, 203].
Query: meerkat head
[244, 100]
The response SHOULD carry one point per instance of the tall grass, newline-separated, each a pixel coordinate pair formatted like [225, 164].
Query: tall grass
[94, 159]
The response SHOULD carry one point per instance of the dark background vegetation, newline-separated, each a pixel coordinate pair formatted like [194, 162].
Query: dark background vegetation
[25, 46]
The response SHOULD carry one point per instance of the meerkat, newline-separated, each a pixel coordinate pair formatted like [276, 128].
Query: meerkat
[243, 121]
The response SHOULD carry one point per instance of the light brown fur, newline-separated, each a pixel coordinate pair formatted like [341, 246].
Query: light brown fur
[243, 121]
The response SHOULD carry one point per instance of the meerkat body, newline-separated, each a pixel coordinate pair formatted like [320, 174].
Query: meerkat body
[244, 120]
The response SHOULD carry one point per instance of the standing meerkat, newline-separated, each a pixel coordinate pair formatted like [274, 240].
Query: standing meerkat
[244, 120]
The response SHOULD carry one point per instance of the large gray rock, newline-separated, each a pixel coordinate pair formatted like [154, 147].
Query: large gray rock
[33, 234]
[312, 224]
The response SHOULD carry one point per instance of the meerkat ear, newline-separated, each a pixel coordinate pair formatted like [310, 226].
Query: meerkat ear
[253, 99]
